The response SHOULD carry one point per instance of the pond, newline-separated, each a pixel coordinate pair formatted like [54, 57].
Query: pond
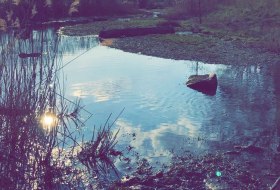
[162, 116]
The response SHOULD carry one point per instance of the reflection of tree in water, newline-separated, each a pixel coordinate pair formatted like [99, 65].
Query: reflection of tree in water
[74, 44]
[276, 78]
[246, 116]
[38, 148]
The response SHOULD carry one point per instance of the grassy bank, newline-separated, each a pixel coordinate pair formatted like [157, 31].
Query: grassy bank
[230, 34]
[95, 27]
[256, 23]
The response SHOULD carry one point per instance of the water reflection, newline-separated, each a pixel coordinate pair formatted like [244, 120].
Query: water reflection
[160, 110]
[25, 96]
[100, 90]
[76, 44]
[165, 114]
[163, 138]
[276, 81]
[38, 126]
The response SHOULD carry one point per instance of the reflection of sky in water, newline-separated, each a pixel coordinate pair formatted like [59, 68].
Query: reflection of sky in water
[96, 90]
[161, 110]
[164, 137]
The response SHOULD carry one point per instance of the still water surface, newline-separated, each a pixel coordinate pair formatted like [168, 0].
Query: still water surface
[160, 110]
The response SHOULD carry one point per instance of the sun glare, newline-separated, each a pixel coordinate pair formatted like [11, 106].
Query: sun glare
[49, 120]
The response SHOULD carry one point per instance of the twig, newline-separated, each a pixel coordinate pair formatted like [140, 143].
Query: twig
[276, 184]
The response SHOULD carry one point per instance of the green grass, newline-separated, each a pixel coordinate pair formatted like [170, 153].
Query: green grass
[95, 27]
[254, 23]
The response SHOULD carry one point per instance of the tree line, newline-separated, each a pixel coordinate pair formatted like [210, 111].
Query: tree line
[18, 13]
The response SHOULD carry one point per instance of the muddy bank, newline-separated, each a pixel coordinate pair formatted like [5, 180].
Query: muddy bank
[197, 47]
[189, 172]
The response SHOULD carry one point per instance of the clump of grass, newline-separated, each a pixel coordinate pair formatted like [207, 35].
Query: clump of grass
[99, 154]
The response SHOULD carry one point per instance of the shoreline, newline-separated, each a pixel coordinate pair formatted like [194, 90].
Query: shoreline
[217, 52]
[203, 47]
[196, 46]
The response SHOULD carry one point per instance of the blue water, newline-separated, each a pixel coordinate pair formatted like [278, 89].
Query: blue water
[164, 114]
[162, 117]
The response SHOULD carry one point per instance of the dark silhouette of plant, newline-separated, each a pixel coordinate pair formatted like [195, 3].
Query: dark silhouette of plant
[23, 13]
[39, 145]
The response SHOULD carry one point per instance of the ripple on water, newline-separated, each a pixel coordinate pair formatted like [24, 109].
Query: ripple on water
[156, 99]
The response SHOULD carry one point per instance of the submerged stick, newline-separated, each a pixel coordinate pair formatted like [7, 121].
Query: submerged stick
[276, 185]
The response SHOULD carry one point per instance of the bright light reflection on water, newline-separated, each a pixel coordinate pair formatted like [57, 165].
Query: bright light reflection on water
[49, 121]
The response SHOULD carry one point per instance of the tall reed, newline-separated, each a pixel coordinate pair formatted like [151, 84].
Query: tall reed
[39, 146]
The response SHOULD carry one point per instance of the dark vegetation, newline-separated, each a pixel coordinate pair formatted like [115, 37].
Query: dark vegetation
[117, 33]
[41, 146]
[253, 25]
[19, 13]
[192, 173]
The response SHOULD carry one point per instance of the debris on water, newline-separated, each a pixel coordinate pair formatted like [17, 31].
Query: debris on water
[26, 55]
[250, 148]
[129, 148]
[128, 168]
[156, 14]
[232, 152]
[188, 172]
